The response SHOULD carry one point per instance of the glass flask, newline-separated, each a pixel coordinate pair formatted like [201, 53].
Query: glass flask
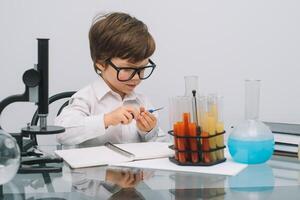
[9, 157]
[251, 142]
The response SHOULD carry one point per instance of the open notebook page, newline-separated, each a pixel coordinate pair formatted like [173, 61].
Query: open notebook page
[92, 156]
[147, 150]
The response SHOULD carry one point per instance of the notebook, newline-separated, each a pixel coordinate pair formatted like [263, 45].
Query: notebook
[114, 153]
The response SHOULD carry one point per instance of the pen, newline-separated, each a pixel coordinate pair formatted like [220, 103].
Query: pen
[154, 110]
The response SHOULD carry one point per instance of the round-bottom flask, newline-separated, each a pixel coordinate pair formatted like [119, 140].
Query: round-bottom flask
[251, 142]
[9, 157]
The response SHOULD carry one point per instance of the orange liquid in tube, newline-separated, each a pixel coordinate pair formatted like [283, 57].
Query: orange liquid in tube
[193, 142]
[186, 121]
[180, 131]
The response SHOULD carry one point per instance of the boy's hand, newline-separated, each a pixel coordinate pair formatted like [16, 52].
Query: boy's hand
[146, 121]
[122, 115]
[124, 179]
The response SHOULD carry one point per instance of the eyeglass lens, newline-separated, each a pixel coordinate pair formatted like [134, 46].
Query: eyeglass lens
[127, 74]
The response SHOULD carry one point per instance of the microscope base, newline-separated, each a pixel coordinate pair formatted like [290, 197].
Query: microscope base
[37, 130]
[38, 163]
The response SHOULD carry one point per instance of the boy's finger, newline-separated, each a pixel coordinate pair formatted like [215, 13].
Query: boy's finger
[140, 125]
[148, 119]
[124, 120]
[151, 115]
[131, 180]
[134, 112]
[126, 177]
[128, 116]
[142, 109]
[144, 122]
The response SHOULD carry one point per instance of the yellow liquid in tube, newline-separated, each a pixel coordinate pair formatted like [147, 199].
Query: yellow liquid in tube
[220, 140]
[211, 121]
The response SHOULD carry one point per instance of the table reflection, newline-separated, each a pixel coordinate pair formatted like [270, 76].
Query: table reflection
[111, 183]
[198, 186]
[256, 181]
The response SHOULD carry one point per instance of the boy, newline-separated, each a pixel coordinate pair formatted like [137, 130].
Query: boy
[109, 110]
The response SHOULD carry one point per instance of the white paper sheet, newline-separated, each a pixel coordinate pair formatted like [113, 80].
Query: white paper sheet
[92, 156]
[147, 150]
[229, 167]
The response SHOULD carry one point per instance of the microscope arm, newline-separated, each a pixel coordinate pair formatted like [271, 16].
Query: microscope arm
[14, 98]
[31, 79]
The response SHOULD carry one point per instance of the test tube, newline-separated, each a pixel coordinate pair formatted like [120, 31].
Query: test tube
[212, 119]
[220, 127]
[193, 142]
[173, 119]
[186, 121]
[181, 145]
[181, 118]
[194, 130]
[186, 110]
[204, 129]
[175, 131]
[211, 132]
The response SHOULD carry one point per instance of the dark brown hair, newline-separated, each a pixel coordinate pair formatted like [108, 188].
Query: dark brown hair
[119, 35]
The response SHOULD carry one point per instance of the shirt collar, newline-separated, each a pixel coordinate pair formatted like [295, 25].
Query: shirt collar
[101, 89]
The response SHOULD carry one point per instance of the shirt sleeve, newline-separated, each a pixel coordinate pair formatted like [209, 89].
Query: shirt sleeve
[80, 125]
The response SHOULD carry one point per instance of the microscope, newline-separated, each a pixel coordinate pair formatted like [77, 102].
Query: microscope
[36, 91]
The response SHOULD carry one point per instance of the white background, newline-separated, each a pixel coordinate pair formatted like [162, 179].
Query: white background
[222, 42]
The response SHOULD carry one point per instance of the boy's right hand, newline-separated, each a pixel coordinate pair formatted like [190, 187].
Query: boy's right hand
[122, 115]
[124, 179]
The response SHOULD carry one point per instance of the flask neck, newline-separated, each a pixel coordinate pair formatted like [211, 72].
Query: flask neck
[252, 93]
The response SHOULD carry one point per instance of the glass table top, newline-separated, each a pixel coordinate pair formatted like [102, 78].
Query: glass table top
[279, 178]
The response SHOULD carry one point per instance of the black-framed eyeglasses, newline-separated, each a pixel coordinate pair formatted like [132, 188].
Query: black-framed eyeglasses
[127, 73]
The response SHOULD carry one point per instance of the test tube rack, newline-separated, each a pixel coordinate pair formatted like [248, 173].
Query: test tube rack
[187, 154]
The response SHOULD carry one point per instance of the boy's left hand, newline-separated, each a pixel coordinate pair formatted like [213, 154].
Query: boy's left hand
[146, 121]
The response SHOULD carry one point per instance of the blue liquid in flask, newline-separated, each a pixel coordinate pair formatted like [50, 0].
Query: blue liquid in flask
[251, 151]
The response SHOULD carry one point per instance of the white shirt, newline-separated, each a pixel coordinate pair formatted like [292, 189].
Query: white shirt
[83, 118]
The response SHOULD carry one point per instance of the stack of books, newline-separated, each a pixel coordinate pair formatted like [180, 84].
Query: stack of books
[287, 139]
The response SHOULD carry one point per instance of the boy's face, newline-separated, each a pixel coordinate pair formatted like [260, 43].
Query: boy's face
[109, 74]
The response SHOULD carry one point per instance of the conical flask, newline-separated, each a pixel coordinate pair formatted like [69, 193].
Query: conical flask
[251, 142]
